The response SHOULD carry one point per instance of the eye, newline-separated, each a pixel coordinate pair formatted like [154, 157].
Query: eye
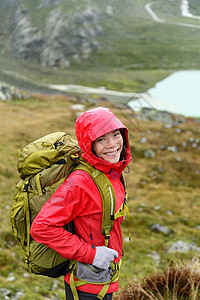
[101, 139]
[117, 133]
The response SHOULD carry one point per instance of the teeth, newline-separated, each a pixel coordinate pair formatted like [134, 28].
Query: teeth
[111, 153]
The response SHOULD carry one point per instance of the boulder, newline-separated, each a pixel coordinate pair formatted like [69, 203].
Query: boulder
[160, 116]
[8, 92]
[181, 246]
[161, 229]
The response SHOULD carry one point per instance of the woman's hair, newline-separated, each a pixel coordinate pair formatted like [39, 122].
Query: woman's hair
[123, 153]
[93, 151]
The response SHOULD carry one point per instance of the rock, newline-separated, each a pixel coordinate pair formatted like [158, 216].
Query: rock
[160, 229]
[179, 119]
[172, 148]
[184, 144]
[168, 126]
[191, 140]
[162, 147]
[194, 145]
[19, 295]
[159, 169]
[5, 293]
[160, 116]
[178, 130]
[149, 153]
[155, 115]
[109, 11]
[155, 256]
[179, 159]
[181, 246]
[194, 142]
[151, 174]
[157, 207]
[11, 278]
[8, 92]
[55, 285]
[143, 140]
[77, 107]
[143, 204]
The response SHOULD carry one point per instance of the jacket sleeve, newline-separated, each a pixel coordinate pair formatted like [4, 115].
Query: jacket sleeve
[69, 201]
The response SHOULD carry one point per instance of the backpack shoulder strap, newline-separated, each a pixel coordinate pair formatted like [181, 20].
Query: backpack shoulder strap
[107, 194]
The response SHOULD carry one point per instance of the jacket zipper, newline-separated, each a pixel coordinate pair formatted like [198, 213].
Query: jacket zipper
[90, 227]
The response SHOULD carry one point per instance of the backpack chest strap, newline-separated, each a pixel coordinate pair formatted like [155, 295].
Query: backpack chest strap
[122, 212]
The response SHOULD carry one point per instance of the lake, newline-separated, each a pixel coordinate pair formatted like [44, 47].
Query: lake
[178, 93]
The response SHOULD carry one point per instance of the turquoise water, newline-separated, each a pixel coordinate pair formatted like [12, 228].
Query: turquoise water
[180, 91]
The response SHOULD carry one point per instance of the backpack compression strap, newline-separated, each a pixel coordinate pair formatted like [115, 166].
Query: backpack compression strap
[107, 194]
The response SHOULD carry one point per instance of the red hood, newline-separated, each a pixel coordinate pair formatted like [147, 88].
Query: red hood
[92, 124]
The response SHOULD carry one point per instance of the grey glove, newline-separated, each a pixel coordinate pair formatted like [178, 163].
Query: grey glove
[103, 257]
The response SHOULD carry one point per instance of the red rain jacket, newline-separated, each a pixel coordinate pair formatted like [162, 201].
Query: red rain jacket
[78, 199]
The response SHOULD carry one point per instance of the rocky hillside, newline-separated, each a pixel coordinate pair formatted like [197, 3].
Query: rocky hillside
[62, 35]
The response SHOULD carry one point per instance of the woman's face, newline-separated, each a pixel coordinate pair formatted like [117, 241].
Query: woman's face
[109, 146]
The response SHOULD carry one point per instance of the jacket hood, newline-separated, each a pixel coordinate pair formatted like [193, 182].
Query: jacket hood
[94, 123]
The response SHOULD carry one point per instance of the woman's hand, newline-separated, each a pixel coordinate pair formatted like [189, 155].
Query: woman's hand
[103, 257]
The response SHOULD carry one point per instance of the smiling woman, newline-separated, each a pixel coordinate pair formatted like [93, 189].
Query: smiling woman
[78, 199]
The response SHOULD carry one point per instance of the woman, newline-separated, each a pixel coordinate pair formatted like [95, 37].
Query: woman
[103, 139]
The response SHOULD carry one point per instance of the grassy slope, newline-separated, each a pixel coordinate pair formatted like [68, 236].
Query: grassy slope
[114, 79]
[176, 189]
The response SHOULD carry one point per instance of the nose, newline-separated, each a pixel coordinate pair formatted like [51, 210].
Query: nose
[110, 143]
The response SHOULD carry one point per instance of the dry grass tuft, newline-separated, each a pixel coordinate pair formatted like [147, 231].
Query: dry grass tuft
[178, 282]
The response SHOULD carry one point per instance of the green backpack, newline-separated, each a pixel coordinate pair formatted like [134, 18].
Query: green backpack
[43, 165]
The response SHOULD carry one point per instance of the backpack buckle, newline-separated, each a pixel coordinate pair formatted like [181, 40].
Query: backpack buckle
[107, 237]
[114, 268]
[25, 189]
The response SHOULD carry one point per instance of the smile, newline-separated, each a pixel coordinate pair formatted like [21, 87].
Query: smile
[111, 153]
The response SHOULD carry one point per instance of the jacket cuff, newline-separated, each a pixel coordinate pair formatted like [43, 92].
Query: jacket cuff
[91, 255]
